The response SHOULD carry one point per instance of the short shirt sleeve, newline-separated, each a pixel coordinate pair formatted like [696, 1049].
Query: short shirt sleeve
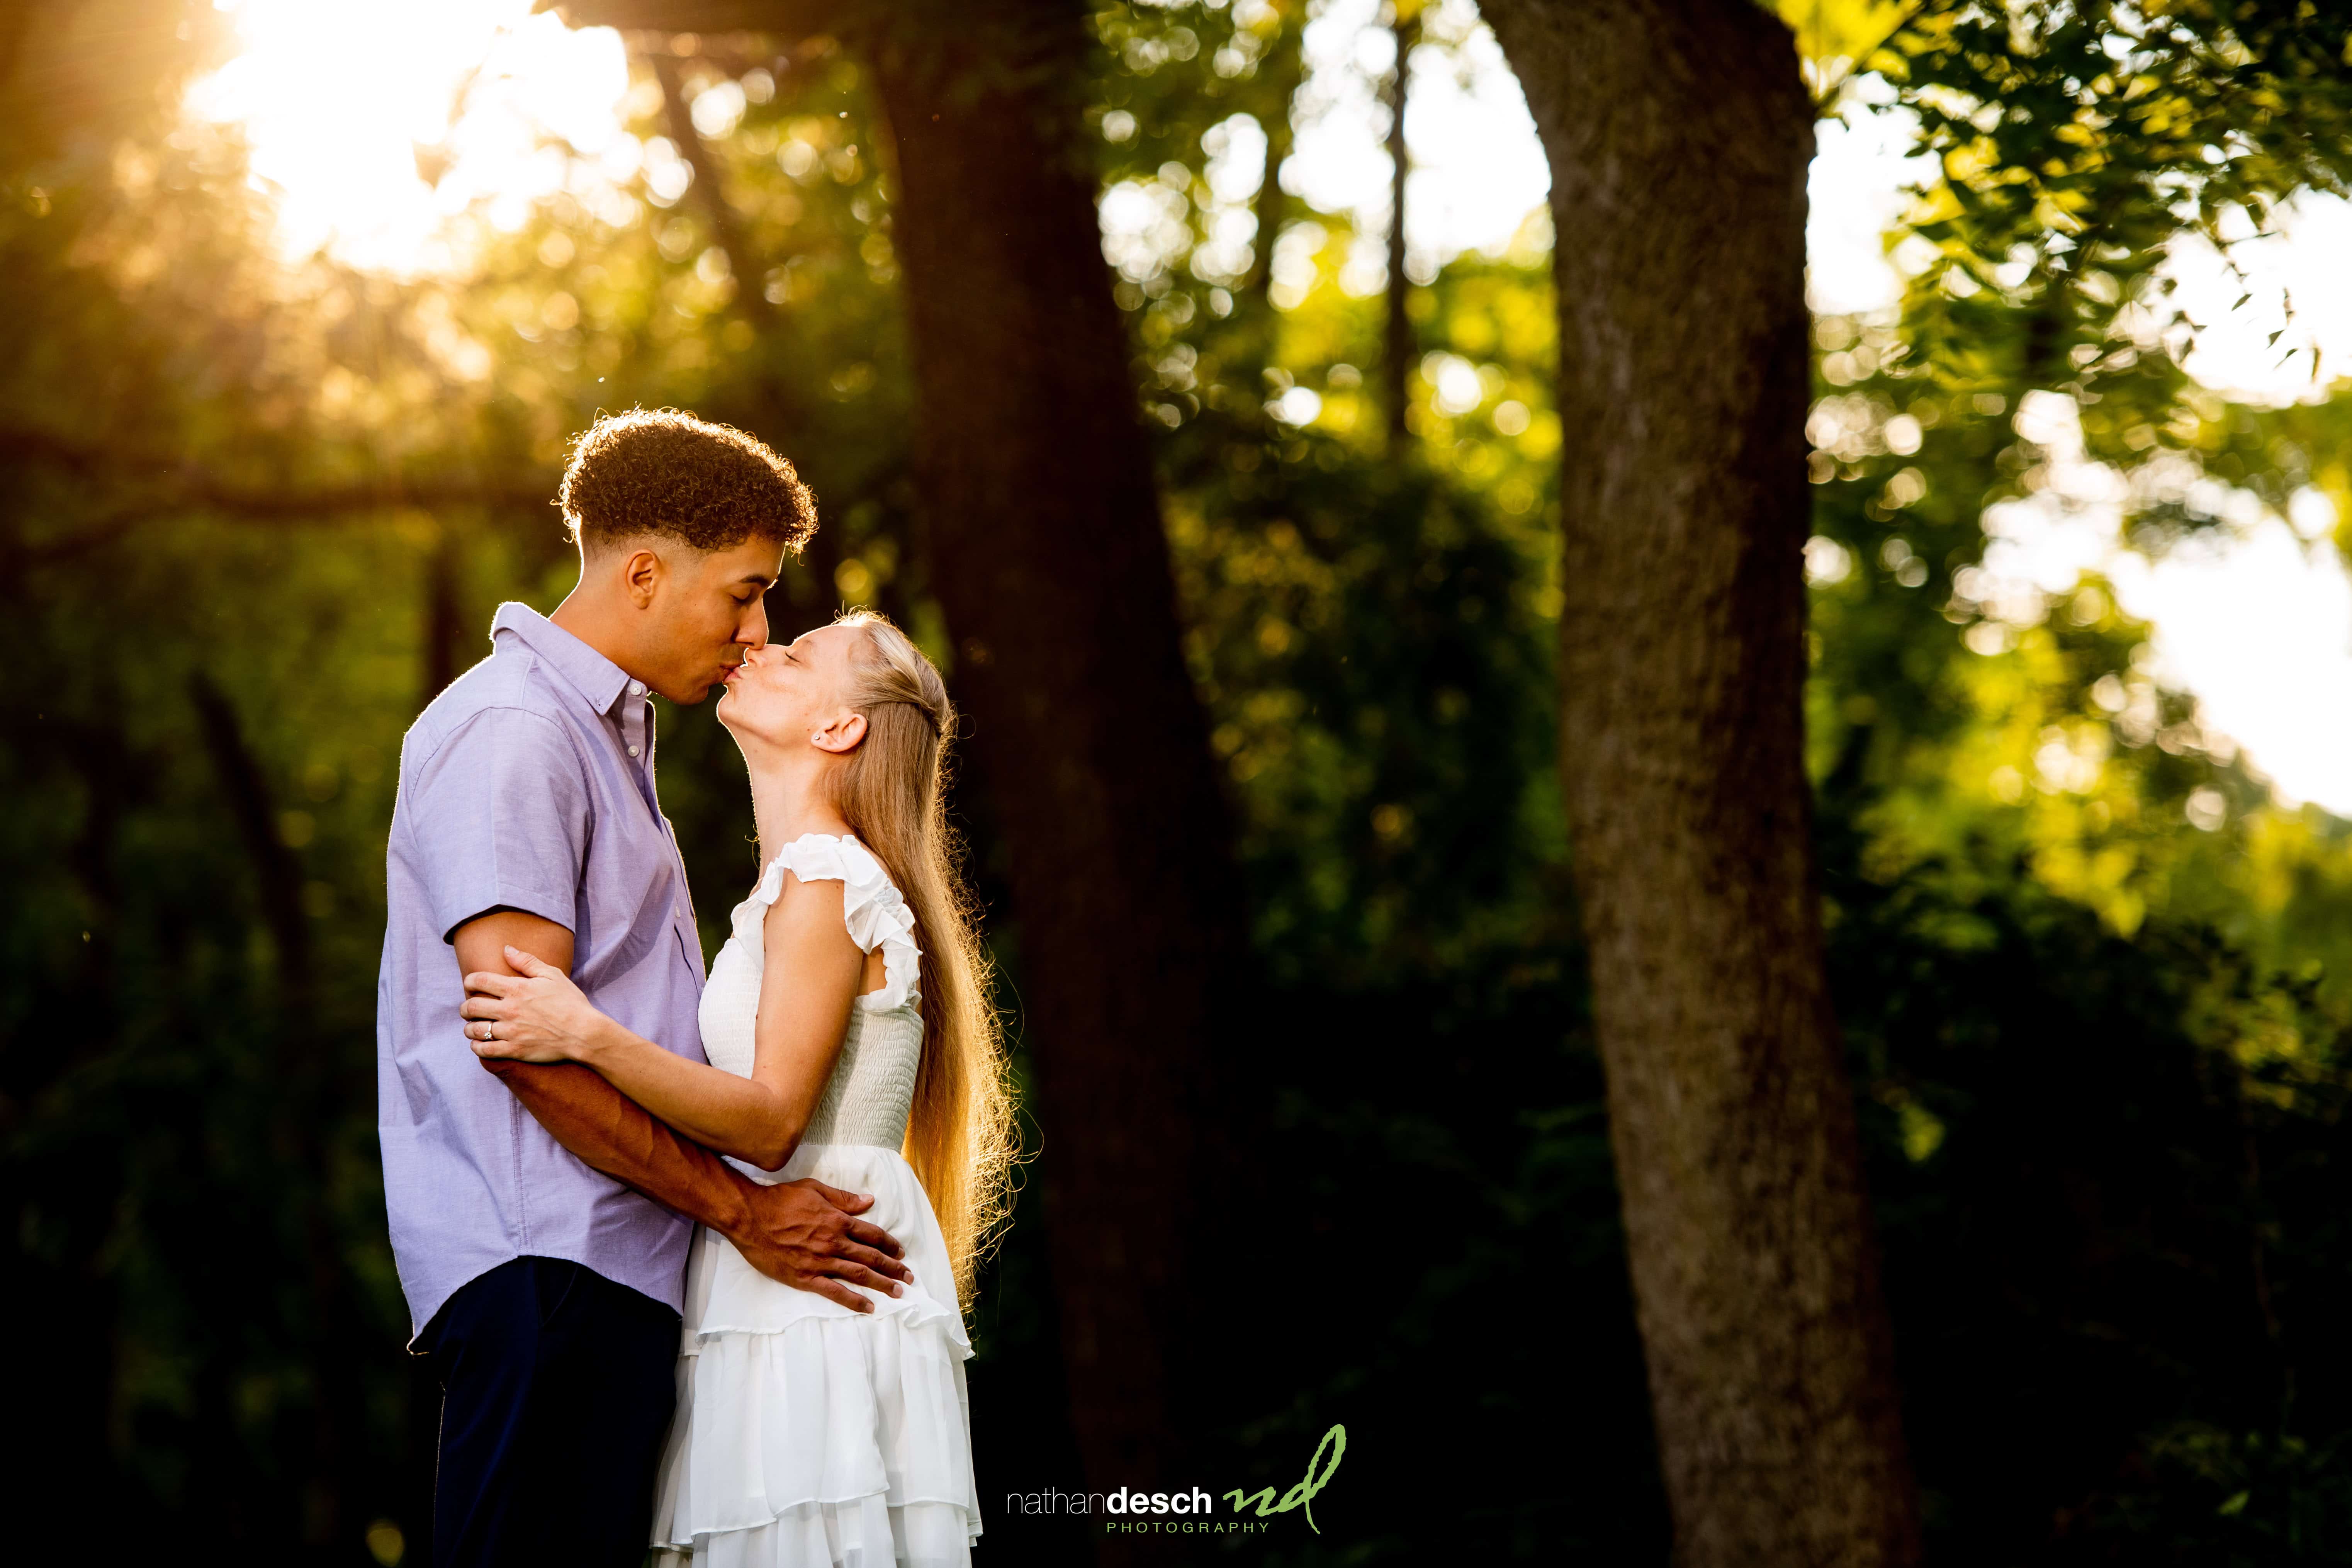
[500, 819]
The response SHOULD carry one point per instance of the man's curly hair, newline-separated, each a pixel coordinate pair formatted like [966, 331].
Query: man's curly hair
[664, 471]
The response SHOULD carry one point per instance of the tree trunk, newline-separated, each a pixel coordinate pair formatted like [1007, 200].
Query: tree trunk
[726, 229]
[1050, 562]
[1679, 135]
[1396, 340]
[797, 602]
[1285, 66]
[1047, 548]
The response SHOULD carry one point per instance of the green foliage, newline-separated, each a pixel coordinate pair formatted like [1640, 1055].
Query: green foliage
[2101, 1050]
[2078, 141]
[1366, 641]
[2076, 145]
[2106, 1205]
[2280, 1499]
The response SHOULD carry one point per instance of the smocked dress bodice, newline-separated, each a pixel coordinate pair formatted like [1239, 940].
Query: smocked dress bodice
[866, 1099]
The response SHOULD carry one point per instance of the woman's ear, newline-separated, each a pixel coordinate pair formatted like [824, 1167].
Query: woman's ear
[841, 736]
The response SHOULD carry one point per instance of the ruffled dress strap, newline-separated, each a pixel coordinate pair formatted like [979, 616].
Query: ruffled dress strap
[871, 905]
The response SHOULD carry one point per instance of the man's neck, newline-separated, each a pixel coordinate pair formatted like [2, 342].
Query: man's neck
[593, 622]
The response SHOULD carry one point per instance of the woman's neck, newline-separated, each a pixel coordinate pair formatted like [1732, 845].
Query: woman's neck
[787, 802]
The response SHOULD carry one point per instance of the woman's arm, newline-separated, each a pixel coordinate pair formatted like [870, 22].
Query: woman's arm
[802, 1233]
[811, 971]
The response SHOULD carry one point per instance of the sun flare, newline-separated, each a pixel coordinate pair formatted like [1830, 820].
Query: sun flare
[346, 105]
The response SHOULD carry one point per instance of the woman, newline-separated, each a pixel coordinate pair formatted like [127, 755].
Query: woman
[850, 1038]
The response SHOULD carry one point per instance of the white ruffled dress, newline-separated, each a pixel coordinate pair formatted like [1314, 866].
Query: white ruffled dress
[809, 1436]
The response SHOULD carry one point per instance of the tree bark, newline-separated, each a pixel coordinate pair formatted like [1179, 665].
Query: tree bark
[1049, 559]
[1679, 135]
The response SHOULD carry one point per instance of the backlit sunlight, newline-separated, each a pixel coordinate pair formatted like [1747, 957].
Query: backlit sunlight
[373, 126]
[352, 106]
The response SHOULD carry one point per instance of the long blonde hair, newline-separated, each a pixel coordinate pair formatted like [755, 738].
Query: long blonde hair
[960, 1135]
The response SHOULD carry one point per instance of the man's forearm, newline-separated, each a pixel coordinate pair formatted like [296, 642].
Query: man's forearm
[619, 1137]
[801, 1234]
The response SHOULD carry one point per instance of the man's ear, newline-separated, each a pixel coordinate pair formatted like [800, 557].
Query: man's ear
[641, 576]
[841, 736]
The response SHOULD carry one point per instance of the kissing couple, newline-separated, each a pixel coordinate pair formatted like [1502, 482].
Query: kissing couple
[781, 1383]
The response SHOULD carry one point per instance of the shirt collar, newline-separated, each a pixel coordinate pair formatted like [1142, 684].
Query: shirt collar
[593, 676]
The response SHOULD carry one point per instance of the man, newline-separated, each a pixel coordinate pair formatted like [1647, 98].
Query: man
[546, 1293]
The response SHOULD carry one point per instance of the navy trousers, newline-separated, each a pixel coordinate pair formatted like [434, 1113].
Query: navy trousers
[557, 1389]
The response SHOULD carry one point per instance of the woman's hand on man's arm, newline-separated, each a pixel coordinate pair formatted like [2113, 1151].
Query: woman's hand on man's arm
[525, 1009]
[535, 1014]
[550, 1019]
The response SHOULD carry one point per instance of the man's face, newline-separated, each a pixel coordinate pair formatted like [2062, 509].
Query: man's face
[706, 608]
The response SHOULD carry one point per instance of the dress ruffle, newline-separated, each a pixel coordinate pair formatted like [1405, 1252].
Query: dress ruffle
[867, 1533]
[876, 910]
[807, 1433]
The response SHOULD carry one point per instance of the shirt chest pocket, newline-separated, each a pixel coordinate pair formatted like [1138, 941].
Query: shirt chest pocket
[690, 944]
[635, 908]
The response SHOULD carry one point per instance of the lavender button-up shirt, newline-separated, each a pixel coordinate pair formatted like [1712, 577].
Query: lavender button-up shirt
[528, 784]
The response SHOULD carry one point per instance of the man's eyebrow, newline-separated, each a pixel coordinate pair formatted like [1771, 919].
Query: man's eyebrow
[761, 578]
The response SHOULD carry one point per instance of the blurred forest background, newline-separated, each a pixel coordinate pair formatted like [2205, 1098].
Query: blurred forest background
[2095, 981]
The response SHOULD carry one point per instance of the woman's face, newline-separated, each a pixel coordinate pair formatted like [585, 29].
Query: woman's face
[788, 694]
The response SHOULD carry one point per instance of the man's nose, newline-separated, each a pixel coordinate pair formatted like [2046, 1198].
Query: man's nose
[753, 631]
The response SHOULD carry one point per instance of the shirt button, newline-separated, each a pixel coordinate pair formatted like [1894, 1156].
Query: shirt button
[636, 689]
[633, 751]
